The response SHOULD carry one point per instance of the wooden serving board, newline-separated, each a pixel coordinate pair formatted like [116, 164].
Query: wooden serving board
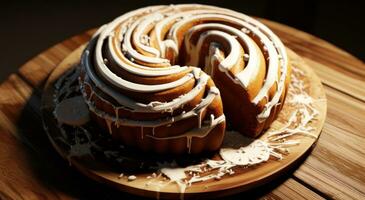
[243, 179]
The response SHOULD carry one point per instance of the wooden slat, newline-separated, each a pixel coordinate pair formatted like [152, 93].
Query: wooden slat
[37, 69]
[29, 174]
[17, 180]
[15, 96]
[318, 50]
[346, 112]
[18, 155]
[336, 165]
[338, 80]
[292, 189]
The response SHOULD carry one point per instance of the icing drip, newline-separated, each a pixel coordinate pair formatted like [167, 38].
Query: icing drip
[200, 118]
[117, 117]
[189, 140]
[176, 175]
[142, 132]
[80, 149]
[108, 123]
[153, 131]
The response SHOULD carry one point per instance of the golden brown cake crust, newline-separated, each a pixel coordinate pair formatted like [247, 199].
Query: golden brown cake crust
[158, 78]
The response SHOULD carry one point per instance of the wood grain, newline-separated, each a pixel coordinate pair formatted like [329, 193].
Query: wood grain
[335, 166]
[333, 170]
[36, 70]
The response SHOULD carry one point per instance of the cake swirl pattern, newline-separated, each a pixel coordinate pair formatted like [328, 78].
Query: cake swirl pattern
[154, 77]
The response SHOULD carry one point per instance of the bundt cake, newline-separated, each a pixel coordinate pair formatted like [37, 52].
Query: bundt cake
[158, 78]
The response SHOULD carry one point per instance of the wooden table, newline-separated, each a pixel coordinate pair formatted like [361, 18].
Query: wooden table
[31, 169]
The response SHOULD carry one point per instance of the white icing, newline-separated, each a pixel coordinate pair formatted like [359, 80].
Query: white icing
[72, 111]
[251, 69]
[234, 53]
[128, 45]
[141, 70]
[176, 175]
[152, 106]
[155, 123]
[146, 22]
[132, 178]
[255, 153]
[127, 85]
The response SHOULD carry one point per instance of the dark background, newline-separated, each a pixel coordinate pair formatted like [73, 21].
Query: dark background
[29, 27]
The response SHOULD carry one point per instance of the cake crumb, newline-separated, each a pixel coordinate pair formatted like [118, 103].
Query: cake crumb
[132, 178]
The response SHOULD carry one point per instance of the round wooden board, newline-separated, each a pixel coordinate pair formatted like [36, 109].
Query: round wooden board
[253, 176]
